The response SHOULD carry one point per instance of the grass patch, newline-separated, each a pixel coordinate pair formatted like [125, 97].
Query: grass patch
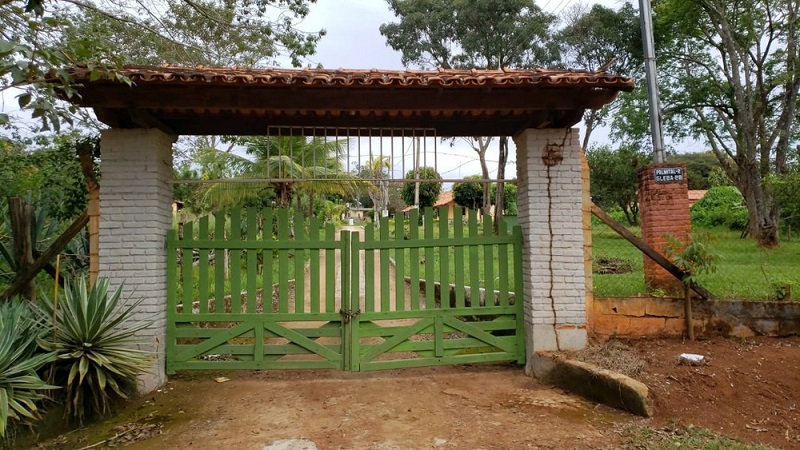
[679, 436]
[745, 271]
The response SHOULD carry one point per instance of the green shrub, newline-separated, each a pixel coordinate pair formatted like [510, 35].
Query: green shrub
[22, 328]
[97, 359]
[721, 206]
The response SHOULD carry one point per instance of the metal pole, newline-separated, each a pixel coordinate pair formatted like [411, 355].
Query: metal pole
[645, 13]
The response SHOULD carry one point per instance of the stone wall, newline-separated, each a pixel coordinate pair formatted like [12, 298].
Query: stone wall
[136, 213]
[549, 196]
[638, 317]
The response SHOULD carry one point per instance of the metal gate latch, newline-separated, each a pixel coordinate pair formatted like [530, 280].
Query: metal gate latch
[348, 315]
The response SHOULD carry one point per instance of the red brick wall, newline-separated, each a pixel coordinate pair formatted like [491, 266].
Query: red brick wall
[664, 209]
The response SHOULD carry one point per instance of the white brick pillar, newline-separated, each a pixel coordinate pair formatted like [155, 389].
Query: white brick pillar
[549, 197]
[135, 215]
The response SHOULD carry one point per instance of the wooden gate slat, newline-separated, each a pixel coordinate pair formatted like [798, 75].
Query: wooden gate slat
[299, 263]
[252, 261]
[458, 255]
[314, 285]
[202, 268]
[413, 234]
[430, 300]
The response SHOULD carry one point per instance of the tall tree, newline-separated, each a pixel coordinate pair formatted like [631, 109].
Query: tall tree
[473, 34]
[468, 193]
[601, 39]
[428, 190]
[377, 170]
[730, 76]
[39, 39]
[613, 178]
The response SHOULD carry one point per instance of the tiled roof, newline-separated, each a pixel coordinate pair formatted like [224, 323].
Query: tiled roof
[355, 77]
[696, 194]
[444, 199]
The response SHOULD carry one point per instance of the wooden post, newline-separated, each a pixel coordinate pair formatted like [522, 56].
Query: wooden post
[93, 209]
[21, 213]
[687, 310]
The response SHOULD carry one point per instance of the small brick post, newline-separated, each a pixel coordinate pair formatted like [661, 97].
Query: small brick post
[550, 200]
[664, 210]
[135, 215]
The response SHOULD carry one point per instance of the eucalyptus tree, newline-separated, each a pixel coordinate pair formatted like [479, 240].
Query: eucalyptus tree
[473, 34]
[730, 76]
[602, 39]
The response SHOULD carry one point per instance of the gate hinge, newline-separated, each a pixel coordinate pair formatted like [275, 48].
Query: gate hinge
[349, 314]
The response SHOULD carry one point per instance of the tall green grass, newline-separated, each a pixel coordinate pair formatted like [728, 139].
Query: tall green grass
[744, 272]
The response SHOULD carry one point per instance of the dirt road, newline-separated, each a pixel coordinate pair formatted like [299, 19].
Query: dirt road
[487, 407]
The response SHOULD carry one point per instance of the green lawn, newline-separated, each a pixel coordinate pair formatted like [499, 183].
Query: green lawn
[745, 272]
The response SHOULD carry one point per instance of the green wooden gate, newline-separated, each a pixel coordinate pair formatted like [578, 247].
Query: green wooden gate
[400, 295]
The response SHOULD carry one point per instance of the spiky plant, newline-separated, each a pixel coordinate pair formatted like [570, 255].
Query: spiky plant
[22, 327]
[98, 361]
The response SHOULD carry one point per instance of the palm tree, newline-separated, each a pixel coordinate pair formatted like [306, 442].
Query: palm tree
[378, 170]
[283, 164]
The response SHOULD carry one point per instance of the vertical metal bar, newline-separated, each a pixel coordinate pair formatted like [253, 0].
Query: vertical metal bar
[403, 150]
[425, 149]
[435, 153]
[291, 152]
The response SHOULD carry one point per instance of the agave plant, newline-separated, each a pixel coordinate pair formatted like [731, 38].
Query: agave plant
[98, 361]
[22, 327]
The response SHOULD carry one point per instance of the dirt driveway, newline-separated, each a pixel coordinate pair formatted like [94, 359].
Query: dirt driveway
[466, 407]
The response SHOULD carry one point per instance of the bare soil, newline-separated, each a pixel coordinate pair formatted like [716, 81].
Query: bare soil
[487, 407]
[749, 389]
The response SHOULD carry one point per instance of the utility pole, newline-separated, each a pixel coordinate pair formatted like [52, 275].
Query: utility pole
[645, 14]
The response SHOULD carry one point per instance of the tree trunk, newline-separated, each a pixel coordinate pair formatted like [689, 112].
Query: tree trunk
[93, 209]
[21, 213]
[499, 198]
[762, 213]
[483, 145]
